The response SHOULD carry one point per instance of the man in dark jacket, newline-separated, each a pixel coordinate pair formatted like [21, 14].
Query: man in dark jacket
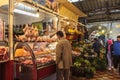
[116, 54]
[96, 46]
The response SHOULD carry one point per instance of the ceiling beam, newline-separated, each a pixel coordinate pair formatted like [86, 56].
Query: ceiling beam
[101, 20]
[98, 3]
[3, 11]
[111, 13]
[85, 7]
[101, 3]
[92, 4]
[98, 10]
[88, 4]
[82, 6]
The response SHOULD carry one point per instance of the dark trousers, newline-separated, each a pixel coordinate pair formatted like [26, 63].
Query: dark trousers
[116, 61]
[63, 74]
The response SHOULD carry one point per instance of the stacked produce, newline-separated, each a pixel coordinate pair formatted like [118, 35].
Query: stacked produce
[73, 34]
[82, 68]
[87, 62]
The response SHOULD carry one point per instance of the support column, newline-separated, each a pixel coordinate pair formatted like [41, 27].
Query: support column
[11, 8]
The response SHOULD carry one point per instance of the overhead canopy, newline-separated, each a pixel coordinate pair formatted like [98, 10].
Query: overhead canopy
[3, 2]
[72, 8]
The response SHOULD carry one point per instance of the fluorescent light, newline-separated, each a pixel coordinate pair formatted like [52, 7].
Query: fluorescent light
[26, 13]
[74, 0]
[103, 31]
[23, 6]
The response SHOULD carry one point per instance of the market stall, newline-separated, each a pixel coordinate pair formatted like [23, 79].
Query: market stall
[33, 32]
[36, 61]
[25, 30]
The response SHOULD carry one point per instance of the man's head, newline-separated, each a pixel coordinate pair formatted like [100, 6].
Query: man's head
[60, 34]
[118, 38]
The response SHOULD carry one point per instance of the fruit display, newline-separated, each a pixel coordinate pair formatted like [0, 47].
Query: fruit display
[82, 68]
[72, 31]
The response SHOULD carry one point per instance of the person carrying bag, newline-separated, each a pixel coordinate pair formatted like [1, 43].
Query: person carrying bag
[63, 57]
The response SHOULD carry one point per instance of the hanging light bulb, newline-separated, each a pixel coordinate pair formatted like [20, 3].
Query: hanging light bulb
[110, 32]
[103, 31]
[99, 27]
[68, 23]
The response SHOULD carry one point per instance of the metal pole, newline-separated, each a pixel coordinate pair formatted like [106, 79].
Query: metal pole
[11, 8]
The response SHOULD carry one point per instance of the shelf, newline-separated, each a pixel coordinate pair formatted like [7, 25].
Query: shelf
[3, 61]
[33, 41]
[45, 65]
[70, 33]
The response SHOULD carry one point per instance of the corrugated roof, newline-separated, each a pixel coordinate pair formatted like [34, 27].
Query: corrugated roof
[96, 8]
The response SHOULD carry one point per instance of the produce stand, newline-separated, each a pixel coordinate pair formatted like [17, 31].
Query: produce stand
[87, 63]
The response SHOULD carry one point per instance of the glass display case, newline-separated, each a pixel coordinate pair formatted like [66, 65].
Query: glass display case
[34, 59]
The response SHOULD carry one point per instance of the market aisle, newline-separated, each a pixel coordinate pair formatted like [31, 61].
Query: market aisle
[98, 76]
[102, 76]
[51, 77]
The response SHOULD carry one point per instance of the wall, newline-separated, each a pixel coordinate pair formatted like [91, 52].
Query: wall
[109, 25]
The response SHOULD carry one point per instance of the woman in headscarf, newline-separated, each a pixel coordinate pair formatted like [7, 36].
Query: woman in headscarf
[109, 52]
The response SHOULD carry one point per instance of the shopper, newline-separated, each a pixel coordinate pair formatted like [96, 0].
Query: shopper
[109, 53]
[116, 54]
[63, 53]
[96, 46]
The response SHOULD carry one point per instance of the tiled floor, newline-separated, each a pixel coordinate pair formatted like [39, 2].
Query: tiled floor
[102, 76]
[98, 76]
